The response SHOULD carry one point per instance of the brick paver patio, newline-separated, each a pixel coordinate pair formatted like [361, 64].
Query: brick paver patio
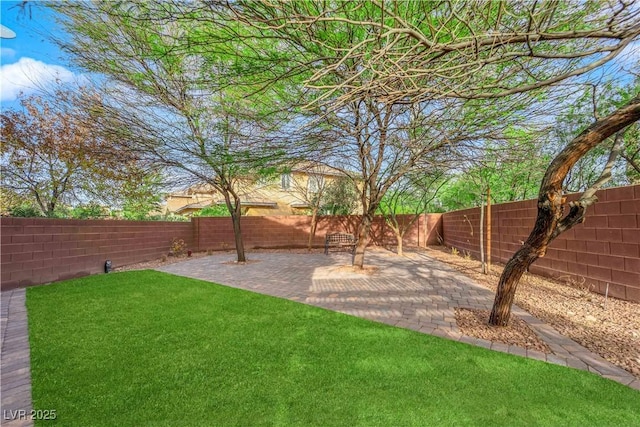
[414, 292]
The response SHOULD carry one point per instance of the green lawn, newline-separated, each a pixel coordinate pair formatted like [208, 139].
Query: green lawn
[148, 348]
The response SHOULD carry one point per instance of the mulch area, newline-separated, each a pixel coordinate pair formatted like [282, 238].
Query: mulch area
[474, 323]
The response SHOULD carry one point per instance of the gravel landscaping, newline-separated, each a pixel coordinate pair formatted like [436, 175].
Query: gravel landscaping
[612, 331]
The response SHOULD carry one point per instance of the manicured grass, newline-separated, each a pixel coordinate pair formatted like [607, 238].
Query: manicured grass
[148, 348]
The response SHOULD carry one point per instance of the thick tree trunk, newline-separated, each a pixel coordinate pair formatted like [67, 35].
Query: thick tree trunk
[399, 239]
[550, 222]
[314, 225]
[511, 275]
[533, 248]
[364, 231]
[488, 230]
[237, 234]
[484, 266]
[235, 209]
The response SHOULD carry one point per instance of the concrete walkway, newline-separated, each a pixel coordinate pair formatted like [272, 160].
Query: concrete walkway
[414, 292]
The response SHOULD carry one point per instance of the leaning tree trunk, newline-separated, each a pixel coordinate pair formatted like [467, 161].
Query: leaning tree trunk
[550, 222]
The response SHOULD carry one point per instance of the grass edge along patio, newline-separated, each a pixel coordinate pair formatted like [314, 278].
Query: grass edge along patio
[146, 347]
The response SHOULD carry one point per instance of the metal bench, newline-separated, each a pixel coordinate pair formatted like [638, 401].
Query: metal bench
[339, 240]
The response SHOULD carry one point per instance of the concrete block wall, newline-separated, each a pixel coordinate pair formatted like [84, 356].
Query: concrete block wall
[40, 250]
[604, 250]
[293, 231]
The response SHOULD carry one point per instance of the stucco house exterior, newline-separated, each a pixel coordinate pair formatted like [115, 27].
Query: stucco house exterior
[288, 193]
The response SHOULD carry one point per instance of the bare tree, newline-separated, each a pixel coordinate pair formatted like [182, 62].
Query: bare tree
[310, 191]
[52, 156]
[383, 142]
[363, 59]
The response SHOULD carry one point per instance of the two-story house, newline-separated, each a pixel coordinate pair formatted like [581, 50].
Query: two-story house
[289, 193]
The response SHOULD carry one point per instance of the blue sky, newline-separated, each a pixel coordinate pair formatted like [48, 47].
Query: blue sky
[30, 60]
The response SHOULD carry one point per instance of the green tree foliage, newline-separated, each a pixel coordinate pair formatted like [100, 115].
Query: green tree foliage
[141, 200]
[594, 101]
[511, 176]
[415, 50]
[177, 92]
[340, 197]
[390, 82]
[213, 210]
[25, 211]
[91, 210]
[369, 60]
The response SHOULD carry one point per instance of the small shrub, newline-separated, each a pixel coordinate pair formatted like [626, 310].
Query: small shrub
[455, 251]
[213, 210]
[467, 255]
[177, 247]
[24, 211]
[172, 217]
[91, 210]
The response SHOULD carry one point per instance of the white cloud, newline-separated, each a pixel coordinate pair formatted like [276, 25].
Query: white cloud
[29, 75]
[7, 52]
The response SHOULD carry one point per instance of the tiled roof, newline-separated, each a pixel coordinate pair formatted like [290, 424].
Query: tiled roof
[198, 205]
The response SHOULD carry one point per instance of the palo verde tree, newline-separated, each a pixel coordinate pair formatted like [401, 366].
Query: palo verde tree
[408, 198]
[172, 95]
[367, 58]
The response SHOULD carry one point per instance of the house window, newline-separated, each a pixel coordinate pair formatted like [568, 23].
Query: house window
[285, 181]
[315, 183]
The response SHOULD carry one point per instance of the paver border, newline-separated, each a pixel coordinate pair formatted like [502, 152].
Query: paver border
[15, 378]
